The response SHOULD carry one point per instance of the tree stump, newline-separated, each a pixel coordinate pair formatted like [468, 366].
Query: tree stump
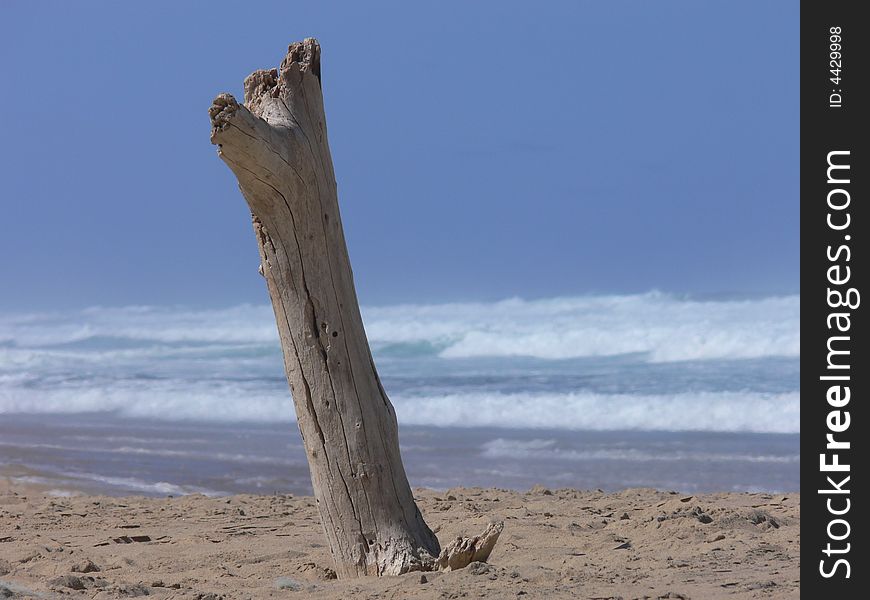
[276, 145]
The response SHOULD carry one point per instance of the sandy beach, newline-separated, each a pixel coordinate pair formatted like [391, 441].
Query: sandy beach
[560, 543]
[370, 298]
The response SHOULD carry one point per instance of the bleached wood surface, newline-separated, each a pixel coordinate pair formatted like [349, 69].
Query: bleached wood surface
[276, 144]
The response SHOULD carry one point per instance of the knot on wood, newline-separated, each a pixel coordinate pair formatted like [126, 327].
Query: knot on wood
[362, 470]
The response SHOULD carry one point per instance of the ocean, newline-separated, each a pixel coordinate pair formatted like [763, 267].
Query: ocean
[651, 390]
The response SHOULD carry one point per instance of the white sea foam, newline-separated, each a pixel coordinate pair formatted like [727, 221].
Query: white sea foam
[664, 327]
[702, 411]
[243, 323]
[225, 365]
[549, 450]
[139, 485]
[175, 400]
[164, 452]
[123, 483]
[57, 493]
[685, 411]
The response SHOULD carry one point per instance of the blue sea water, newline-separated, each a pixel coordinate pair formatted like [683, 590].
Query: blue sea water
[599, 391]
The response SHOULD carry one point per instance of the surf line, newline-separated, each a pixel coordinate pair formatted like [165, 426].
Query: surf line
[841, 300]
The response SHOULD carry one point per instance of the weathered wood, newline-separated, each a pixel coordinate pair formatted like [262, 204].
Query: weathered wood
[461, 552]
[276, 144]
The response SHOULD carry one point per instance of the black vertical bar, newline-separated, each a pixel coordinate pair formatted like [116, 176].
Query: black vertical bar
[834, 225]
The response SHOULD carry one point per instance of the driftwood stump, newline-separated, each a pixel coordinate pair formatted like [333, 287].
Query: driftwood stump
[276, 145]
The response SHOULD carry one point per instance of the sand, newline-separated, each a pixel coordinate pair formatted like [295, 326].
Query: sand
[638, 543]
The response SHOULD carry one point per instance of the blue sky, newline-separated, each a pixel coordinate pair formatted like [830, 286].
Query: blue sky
[482, 150]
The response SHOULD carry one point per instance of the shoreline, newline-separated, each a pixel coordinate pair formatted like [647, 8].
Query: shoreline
[559, 543]
[111, 455]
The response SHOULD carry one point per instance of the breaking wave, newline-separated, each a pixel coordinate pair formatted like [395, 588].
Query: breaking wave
[699, 411]
[683, 364]
[663, 327]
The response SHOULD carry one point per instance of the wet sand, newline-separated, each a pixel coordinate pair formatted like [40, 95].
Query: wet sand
[103, 454]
